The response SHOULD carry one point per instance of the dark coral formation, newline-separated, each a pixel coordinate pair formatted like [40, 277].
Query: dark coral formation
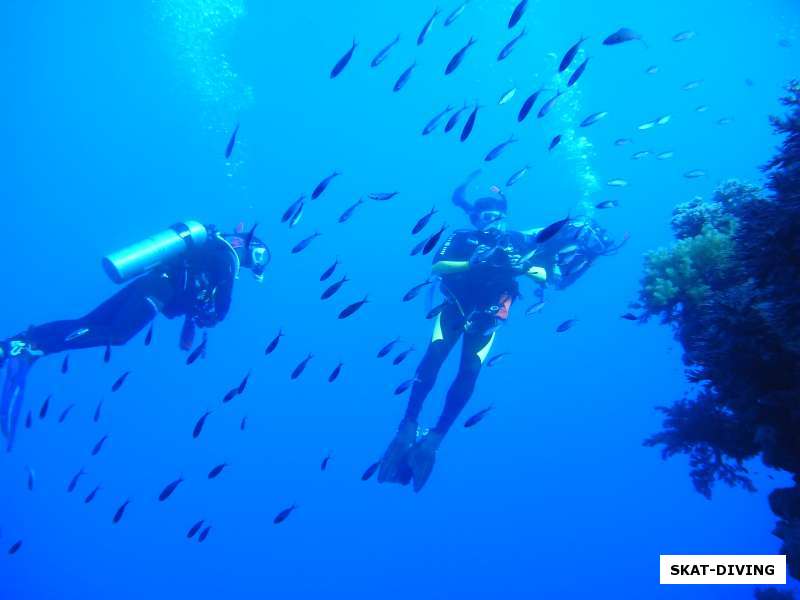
[730, 287]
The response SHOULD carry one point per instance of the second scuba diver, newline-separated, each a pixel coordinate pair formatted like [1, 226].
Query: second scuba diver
[187, 270]
[478, 271]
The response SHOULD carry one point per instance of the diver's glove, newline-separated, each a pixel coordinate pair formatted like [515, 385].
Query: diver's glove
[489, 257]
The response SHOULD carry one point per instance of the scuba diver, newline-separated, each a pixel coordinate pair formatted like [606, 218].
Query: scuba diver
[478, 271]
[187, 270]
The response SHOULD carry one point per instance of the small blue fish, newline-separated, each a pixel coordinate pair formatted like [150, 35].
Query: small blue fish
[292, 210]
[566, 325]
[607, 204]
[65, 364]
[14, 548]
[431, 242]
[342, 62]
[352, 308]
[623, 35]
[198, 427]
[402, 356]
[456, 13]
[528, 104]
[31, 479]
[456, 59]
[382, 196]
[554, 142]
[120, 380]
[516, 176]
[453, 120]
[120, 512]
[499, 149]
[577, 74]
[434, 122]
[423, 221]
[370, 471]
[549, 104]
[229, 395]
[414, 292]
[519, 10]
[74, 481]
[65, 412]
[335, 373]
[216, 471]
[333, 288]
[470, 124]
[403, 387]
[169, 489]
[274, 343]
[243, 423]
[298, 370]
[324, 464]
[99, 445]
[345, 216]
[551, 230]
[107, 354]
[496, 358]
[329, 271]
[403, 79]
[231, 142]
[510, 45]
[427, 27]
[388, 348]
[593, 118]
[323, 185]
[284, 514]
[436, 310]
[569, 56]
[45, 406]
[303, 244]
[243, 384]
[203, 535]
[477, 417]
[97, 411]
[91, 495]
[381, 56]
[194, 529]
[148, 339]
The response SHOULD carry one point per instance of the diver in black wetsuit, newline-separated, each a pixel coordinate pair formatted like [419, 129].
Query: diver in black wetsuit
[478, 271]
[188, 270]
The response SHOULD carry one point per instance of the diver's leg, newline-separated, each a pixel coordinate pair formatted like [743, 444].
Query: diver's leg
[445, 335]
[422, 456]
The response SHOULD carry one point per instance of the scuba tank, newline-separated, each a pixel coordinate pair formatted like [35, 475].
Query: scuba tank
[138, 258]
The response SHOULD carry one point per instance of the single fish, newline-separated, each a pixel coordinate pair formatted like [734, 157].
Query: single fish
[423, 221]
[566, 325]
[551, 230]
[507, 96]
[65, 364]
[294, 207]
[623, 35]
[169, 489]
[594, 118]
[107, 354]
[297, 216]
[702, 108]
[617, 183]
[333, 288]
[14, 548]
[97, 411]
[74, 481]
[683, 36]
[345, 216]
[629, 317]
[692, 85]
[433, 240]
[194, 529]
[436, 310]
[31, 479]
[329, 271]
[99, 445]
[453, 120]
[382, 196]
[432, 124]
[243, 384]
[298, 370]
[402, 356]
[554, 142]
[231, 142]
[725, 121]
[534, 308]
[470, 124]
[497, 358]
[216, 471]
[324, 464]
[404, 77]
[652, 70]
[283, 515]
[456, 13]
[573, 79]
[418, 247]
[120, 512]
[784, 43]
[570, 54]
[199, 351]
[506, 50]
[622, 142]
[203, 535]
[45, 406]
[519, 10]
[427, 27]
[499, 149]
[694, 174]
[243, 423]
[549, 104]
[640, 154]
[65, 412]
[148, 339]
[414, 292]
[198, 427]
[91, 495]
[350, 309]
[342, 62]
[646, 126]
[665, 155]
[388, 348]
[323, 185]
[274, 343]
[370, 471]
[403, 387]
[456, 59]
[477, 417]
[528, 104]
[120, 380]
[335, 373]
[303, 244]
[28, 420]
[517, 175]
[381, 56]
[607, 204]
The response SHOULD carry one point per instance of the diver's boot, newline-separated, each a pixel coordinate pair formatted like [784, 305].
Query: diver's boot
[394, 468]
[422, 457]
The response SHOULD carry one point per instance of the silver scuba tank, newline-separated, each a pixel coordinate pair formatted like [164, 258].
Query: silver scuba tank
[138, 258]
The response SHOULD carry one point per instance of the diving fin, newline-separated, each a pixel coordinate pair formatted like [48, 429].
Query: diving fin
[394, 468]
[422, 457]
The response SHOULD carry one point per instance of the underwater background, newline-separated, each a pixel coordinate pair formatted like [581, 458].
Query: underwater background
[115, 121]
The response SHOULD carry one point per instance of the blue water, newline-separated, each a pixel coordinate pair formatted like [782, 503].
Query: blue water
[114, 124]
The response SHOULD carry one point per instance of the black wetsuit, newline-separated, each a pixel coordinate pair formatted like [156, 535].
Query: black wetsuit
[198, 286]
[477, 302]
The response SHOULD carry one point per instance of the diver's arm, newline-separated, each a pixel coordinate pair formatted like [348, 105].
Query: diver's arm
[460, 193]
[445, 267]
